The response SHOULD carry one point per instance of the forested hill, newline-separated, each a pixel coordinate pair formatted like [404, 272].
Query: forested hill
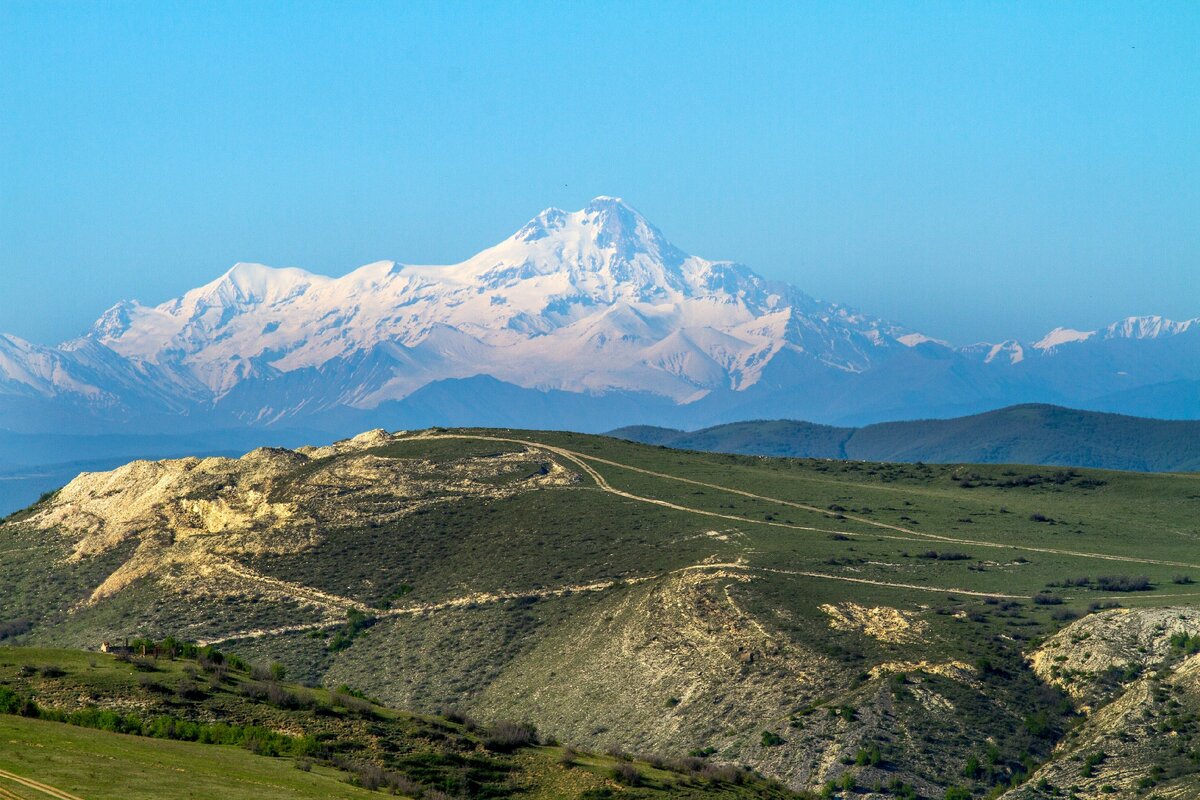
[1023, 434]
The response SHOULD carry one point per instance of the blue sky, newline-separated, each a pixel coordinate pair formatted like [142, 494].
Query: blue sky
[974, 170]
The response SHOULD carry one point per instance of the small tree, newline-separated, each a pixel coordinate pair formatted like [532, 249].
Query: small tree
[627, 774]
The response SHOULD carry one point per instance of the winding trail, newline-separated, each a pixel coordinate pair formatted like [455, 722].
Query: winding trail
[29, 783]
[483, 598]
[915, 586]
[578, 459]
[299, 591]
[897, 532]
[479, 598]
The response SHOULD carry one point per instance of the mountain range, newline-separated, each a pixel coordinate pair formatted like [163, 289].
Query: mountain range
[588, 320]
[1026, 434]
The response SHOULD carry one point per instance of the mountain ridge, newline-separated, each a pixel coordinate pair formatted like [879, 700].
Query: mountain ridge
[1035, 434]
[595, 302]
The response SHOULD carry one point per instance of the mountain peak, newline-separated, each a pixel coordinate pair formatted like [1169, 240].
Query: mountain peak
[603, 201]
[1147, 327]
[249, 283]
[1060, 336]
[607, 235]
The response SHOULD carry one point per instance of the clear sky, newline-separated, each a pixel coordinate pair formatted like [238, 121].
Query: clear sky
[977, 171]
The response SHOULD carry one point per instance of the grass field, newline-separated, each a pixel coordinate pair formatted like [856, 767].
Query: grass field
[108, 766]
[344, 745]
[667, 601]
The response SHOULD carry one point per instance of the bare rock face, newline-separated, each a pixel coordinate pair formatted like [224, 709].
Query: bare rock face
[676, 660]
[1140, 681]
[1080, 655]
[189, 519]
[878, 622]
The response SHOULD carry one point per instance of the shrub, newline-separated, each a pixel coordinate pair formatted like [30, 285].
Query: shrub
[771, 739]
[14, 627]
[1180, 579]
[1123, 583]
[1091, 762]
[944, 555]
[868, 757]
[1047, 599]
[653, 760]
[9, 701]
[188, 690]
[722, 774]
[459, 717]
[1038, 724]
[1185, 643]
[356, 623]
[627, 773]
[354, 705]
[618, 753]
[505, 736]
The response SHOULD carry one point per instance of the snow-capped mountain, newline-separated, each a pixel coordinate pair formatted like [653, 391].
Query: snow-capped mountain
[583, 315]
[590, 301]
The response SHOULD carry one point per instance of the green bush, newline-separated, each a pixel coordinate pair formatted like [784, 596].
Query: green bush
[868, 757]
[771, 739]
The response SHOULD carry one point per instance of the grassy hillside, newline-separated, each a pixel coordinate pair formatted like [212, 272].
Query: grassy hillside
[840, 623]
[1028, 434]
[132, 726]
[110, 766]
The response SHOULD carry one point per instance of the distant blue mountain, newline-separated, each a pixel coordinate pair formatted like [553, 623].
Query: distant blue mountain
[1024, 434]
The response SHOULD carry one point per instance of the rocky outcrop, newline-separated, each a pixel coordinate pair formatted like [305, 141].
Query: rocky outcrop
[1138, 675]
[192, 521]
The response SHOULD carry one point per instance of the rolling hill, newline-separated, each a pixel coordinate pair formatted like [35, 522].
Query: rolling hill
[901, 630]
[1027, 434]
[203, 724]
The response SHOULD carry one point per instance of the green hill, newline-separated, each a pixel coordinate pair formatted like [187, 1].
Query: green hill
[134, 726]
[1026, 434]
[827, 623]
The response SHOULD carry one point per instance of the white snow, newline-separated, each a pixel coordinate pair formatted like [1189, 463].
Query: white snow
[588, 300]
[1061, 336]
[914, 339]
[1011, 348]
[1152, 327]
